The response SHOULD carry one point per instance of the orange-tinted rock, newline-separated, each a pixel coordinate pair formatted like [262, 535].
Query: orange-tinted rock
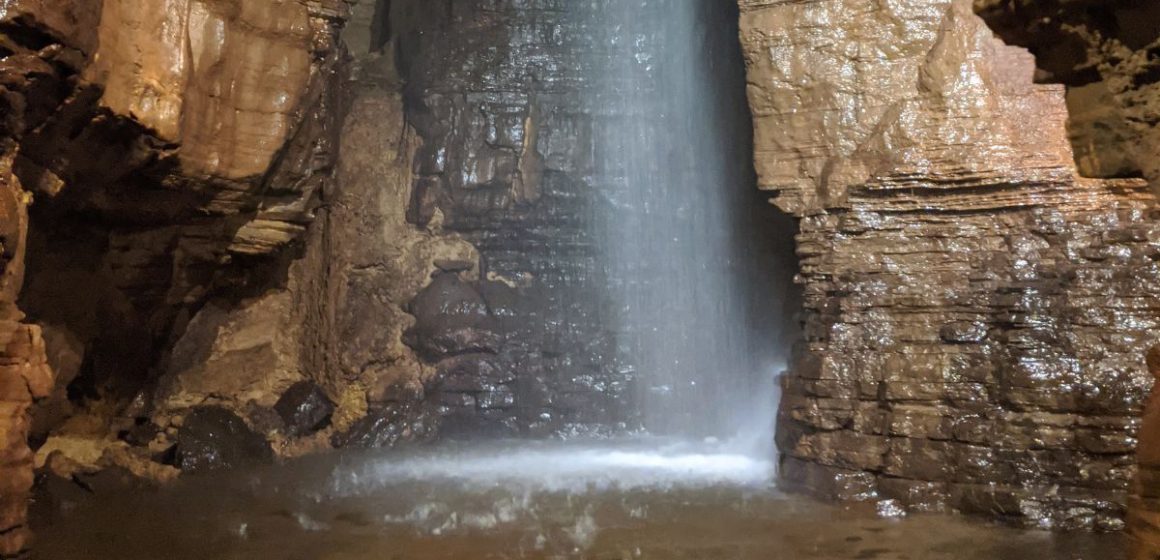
[221, 79]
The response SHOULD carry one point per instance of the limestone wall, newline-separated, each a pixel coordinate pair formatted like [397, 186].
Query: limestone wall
[974, 309]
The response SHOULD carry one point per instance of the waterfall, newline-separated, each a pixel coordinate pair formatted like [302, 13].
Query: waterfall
[673, 153]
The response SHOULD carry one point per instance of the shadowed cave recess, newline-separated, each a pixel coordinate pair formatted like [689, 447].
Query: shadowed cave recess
[518, 275]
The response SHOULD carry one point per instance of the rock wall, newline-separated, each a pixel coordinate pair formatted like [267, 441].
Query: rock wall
[24, 373]
[170, 153]
[1108, 53]
[497, 93]
[378, 264]
[974, 309]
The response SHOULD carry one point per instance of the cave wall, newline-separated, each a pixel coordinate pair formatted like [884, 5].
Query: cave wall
[974, 309]
[155, 157]
[507, 160]
[24, 373]
[1108, 54]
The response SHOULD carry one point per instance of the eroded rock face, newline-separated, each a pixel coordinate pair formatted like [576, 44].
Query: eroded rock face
[25, 375]
[974, 309]
[375, 263]
[221, 79]
[1108, 53]
[172, 150]
[501, 95]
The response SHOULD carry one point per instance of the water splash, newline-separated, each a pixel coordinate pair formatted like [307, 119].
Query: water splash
[567, 468]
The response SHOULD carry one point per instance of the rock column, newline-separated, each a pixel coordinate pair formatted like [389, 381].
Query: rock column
[24, 373]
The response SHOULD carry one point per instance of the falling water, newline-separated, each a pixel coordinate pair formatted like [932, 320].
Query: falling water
[682, 239]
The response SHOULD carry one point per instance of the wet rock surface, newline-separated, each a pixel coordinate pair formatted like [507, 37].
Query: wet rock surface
[974, 309]
[213, 438]
[521, 110]
[506, 161]
[1107, 53]
[400, 422]
[451, 318]
[304, 408]
[166, 167]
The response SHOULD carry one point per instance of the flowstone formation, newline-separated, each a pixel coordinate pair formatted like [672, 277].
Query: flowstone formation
[974, 309]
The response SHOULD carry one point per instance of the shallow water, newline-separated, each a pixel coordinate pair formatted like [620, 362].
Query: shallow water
[527, 501]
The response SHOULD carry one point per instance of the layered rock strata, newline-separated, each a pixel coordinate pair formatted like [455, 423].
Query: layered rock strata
[974, 309]
[507, 159]
[1109, 56]
[1108, 53]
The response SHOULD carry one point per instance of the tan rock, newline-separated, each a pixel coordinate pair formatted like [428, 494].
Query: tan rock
[222, 79]
[234, 357]
[963, 286]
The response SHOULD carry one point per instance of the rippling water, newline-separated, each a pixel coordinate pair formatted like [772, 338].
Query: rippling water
[644, 499]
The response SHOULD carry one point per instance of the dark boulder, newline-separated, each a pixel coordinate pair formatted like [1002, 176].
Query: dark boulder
[213, 438]
[304, 409]
[451, 318]
[389, 426]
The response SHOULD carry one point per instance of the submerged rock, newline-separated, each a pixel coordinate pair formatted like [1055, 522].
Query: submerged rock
[304, 408]
[214, 438]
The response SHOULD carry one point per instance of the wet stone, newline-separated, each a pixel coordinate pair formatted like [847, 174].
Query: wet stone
[304, 408]
[451, 318]
[391, 425]
[213, 438]
[963, 332]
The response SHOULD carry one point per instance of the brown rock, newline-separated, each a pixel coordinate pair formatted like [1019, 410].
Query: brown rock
[964, 287]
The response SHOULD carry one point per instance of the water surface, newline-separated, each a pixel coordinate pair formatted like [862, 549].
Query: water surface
[607, 501]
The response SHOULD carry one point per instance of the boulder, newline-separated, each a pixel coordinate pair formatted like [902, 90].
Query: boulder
[304, 408]
[451, 318]
[393, 424]
[213, 438]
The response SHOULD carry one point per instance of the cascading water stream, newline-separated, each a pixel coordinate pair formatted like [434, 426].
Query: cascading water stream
[674, 154]
[697, 263]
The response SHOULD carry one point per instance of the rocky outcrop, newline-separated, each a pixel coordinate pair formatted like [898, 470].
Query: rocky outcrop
[234, 354]
[173, 151]
[1108, 53]
[376, 262]
[973, 308]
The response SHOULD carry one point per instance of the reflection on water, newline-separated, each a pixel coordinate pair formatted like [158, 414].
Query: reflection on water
[531, 501]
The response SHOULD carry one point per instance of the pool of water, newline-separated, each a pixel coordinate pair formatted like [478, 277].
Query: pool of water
[610, 501]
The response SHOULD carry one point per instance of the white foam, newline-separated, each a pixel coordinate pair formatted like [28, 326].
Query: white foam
[563, 469]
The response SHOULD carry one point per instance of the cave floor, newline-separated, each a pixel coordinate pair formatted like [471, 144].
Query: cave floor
[507, 504]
